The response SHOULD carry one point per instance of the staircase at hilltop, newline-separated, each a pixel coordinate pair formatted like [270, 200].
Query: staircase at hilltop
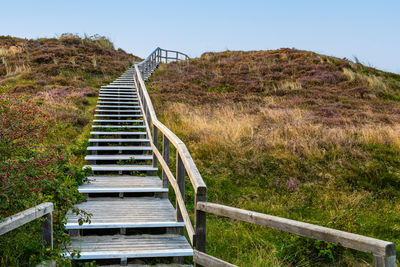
[131, 215]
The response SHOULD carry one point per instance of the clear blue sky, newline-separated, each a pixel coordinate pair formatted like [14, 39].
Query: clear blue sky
[367, 29]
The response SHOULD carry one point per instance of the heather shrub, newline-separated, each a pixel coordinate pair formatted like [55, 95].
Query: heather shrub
[32, 172]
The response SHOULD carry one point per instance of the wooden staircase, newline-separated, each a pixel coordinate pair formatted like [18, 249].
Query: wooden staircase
[132, 217]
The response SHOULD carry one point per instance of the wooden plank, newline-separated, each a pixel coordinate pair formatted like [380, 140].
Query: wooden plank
[21, 218]
[119, 110]
[117, 133]
[117, 167]
[120, 126]
[131, 246]
[119, 103]
[128, 121]
[119, 115]
[358, 242]
[206, 260]
[119, 140]
[120, 95]
[118, 157]
[116, 106]
[121, 98]
[139, 212]
[113, 148]
[122, 183]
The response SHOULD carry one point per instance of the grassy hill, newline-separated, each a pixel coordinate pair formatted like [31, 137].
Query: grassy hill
[47, 97]
[289, 133]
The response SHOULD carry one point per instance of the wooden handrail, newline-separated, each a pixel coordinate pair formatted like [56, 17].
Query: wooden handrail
[185, 163]
[204, 259]
[23, 217]
[384, 252]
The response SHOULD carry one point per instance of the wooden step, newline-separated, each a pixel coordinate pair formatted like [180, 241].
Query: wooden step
[120, 126]
[125, 247]
[118, 157]
[122, 82]
[118, 95]
[118, 110]
[117, 167]
[133, 121]
[117, 90]
[117, 133]
[118, 98]
[118, 102]
[118, 106]
[137, 212]
[118, 140]
[119, 115]
[147, 265]
[117, 148]
[118, 86]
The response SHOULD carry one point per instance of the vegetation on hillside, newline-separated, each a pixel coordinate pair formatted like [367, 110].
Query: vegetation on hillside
[47, 95]
[289, 133]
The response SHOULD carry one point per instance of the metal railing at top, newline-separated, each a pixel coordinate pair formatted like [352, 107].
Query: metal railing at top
[384, 252]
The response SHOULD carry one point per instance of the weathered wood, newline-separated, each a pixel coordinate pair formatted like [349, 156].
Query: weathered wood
[129, 246]
[138, 212]
[206, 260]
[155, 142]
[180, 180]
[124, 184]
[378, 248]
[47, 230]
[166, 159]
[200, 220]
[21, 218]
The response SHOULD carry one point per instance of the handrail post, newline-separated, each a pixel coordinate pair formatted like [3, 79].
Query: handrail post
[389, 260]
[166, 56]
[47, 230]
[180, 180]
[166, 159]
[155, 142]
[200, 220]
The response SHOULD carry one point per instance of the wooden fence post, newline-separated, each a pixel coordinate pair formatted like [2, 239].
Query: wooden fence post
[47, 230]
[166, 159]
[155, 142]
[180, 180]
[200, 220]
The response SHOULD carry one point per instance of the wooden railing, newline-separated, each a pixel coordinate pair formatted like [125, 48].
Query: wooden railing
[159, 55]
[184, 162]
[384, 252]
[19, 219]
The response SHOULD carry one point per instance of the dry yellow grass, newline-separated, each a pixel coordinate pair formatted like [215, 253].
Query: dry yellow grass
[369, 81]
[286, 130]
